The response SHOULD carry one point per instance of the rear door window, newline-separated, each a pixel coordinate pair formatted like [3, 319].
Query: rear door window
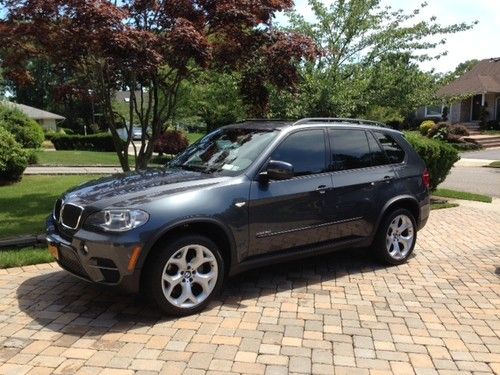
[350, 149]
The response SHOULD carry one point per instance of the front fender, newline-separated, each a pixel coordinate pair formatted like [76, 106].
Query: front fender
[180, 223]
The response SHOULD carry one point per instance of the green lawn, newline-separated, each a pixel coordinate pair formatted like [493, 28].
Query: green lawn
[24, 257]
[495, 164]
[25, 206]
[193, 137]
[90, 158]
[446, 193]
[79, 158]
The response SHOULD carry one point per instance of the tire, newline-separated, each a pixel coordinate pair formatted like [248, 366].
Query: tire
[396, 237]
[178, 276]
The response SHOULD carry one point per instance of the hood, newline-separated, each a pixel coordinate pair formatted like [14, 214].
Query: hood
[134, 189]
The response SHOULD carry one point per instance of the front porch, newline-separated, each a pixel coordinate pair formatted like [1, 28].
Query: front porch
[470, 111]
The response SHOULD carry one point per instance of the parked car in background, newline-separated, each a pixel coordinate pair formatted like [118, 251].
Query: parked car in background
[246, 195]
[136, 133]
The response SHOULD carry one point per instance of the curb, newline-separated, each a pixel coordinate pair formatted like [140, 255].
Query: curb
[23, 241]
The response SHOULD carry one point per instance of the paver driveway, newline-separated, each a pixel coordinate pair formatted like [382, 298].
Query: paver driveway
[340, 313]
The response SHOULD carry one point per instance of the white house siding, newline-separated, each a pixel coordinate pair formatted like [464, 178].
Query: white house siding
[48, 124]
[490, 100]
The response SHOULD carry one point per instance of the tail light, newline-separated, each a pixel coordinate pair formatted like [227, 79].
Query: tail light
[426, 178]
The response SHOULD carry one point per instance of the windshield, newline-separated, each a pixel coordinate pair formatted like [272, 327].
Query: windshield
[229, 151]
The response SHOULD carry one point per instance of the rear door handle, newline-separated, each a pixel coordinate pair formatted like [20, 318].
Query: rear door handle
[321, 189]
[387, 179]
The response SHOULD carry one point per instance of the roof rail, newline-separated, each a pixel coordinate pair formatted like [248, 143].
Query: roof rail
[312, 120]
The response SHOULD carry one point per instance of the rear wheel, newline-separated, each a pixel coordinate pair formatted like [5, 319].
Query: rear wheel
[396, 237]
[185, 275]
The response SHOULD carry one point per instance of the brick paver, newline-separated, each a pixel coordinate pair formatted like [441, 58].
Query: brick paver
[336, 314]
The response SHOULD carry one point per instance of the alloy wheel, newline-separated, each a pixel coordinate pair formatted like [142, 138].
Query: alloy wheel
[399, 237]
[190, 276]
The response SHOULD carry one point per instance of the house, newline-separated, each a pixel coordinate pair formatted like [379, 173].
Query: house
[480, 88]
[47, 120]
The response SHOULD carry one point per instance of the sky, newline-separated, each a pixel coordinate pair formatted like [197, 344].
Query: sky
[482, 42]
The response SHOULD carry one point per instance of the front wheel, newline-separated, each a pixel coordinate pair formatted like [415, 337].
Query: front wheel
[396, 237]
[185, 275]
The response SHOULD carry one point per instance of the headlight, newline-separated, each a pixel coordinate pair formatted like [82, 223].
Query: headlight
[117, 220]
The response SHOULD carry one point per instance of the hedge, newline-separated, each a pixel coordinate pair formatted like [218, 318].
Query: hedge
[438, 156]
[13, 159]
[94, 142]
[171, 142]
[26, 131]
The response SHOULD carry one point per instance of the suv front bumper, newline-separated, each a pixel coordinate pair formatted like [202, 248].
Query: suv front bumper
[95, 257]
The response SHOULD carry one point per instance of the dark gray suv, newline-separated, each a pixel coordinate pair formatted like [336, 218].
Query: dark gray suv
[245, 195]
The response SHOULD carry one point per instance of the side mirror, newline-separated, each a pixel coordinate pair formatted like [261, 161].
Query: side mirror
[278, 170]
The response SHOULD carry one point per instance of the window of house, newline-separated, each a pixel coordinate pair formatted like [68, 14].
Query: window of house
[350, 149]
[433, 111]
[305, 150]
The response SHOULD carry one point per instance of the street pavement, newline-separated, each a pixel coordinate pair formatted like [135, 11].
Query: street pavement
[478, 180]
[336, 314]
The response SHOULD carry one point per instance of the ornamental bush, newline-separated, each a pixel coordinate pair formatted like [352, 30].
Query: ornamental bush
[458, 129]
[26, 131]
[171, 142]
[93, 142]
[439, 131]
[425, 126]
[438, 156]
[13, 159]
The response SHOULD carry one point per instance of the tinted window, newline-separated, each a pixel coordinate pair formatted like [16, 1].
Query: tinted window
[378, 155]
[349, 149]
[305, 150]
[394, 152]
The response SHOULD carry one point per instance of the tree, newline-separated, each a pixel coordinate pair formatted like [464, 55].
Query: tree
[360, 39]
[150, 47]
[459, 71]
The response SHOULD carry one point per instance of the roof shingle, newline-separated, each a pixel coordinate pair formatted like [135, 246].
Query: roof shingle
[482, 78]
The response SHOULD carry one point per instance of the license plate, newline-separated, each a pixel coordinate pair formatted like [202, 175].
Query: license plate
[54, 251]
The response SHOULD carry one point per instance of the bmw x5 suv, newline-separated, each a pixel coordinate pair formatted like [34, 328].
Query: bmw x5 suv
[245, 195]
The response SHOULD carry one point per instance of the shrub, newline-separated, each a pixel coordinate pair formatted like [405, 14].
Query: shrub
[438, 156]
[439, 131]
[31, 156]
[13, 159]
[490, 125]
[458, 129]
[94, 142]
[425, 126]
[26, 131]
[171, 142]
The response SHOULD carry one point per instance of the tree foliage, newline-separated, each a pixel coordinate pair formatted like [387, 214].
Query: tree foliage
[369, 59]
[151, 46]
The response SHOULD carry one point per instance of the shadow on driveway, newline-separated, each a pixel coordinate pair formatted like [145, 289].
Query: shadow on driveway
[60, 302]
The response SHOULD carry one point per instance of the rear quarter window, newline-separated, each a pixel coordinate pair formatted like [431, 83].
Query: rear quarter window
[393, 150]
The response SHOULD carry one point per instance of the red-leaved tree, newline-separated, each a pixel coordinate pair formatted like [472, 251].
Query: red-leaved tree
[150, 47]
